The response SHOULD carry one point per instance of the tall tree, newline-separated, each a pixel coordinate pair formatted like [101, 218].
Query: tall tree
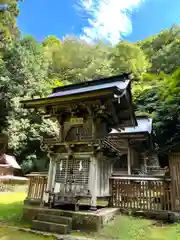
[129, 58]
[75, 61]
[162, 50]
[26, 75]
[8, 27]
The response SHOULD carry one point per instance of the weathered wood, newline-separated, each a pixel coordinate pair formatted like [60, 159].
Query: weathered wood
[104, 168]
[51, 141]
[141, 178]
[93, 181]
[54, 175]
[145, 195]
[76, 155]
[61, 132]
[37, 187]
[37, 174]
[174, 165]
[39, 103]
[129, 161]
[50, 173]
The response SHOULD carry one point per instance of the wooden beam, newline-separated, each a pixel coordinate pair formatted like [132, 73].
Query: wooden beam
[145, 164]
[94, 129]
[129, 99]
[54, 174]
[112, 110]
[38, 103]
[141, 178]
[61, 132]
[75, 155]
[57, 142]
[93, 182]
[129, 160]
[50, 173]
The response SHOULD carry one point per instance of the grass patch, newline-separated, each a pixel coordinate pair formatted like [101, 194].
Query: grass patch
[130, 228]
[11, 207]
[13, 234]
[122, 228]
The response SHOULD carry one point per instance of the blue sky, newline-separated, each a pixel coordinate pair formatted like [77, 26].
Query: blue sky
[110, 20]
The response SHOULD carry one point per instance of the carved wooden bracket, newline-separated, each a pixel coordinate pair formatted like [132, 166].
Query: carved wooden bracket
[132, 142]
[69, 148]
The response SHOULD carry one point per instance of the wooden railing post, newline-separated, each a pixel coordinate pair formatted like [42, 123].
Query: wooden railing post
[36, 188]
[29, 188]
[110, 203]
[42, 191]
[141, 193]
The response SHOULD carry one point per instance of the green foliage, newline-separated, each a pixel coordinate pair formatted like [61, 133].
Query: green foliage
[123, 227]
[11, 206]
[163, 50]
[76, 61]
[128, 57]
[130, 228]
[8, 28]
[24, 73]
[30, 69]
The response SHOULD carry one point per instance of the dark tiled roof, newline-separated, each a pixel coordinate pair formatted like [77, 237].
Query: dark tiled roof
[144, 124]
[116, 84]
[119, 85]
[96, 82]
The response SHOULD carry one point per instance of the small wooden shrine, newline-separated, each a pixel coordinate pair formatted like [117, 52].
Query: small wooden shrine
[3, 146]
[9, 166]
[10, 170]
[134, 147]
[81, 161]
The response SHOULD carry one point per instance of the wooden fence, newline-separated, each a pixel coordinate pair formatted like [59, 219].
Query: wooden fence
[128, 192]
[137, 193]
[37, 186]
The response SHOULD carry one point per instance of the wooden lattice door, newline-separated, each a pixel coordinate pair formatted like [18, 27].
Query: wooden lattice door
[174, 165]
[73, 174]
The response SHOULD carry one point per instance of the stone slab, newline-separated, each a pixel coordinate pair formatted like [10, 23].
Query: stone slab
[55, 219]
[49, 227]
[82, 220]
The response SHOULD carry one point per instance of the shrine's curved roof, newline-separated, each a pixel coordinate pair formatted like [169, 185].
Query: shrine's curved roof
[120, 85]
[114, 84]
[7, 160]
[115, 89]
[144, 124]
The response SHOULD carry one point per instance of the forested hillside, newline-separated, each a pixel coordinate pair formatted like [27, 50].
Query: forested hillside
[30, 69]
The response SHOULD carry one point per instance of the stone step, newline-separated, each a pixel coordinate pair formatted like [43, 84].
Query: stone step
[55, 219]
[50, 227]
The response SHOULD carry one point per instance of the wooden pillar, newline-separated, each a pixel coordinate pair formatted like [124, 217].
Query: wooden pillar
[174, 165]
[145, 163]
[93, 182]
[94, 129]
[29, 188]
[42, 191]
[129, 160]
[61, 132]
[50, 174]
[53, 174]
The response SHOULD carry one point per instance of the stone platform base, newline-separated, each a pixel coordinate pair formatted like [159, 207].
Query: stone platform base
[82, 220]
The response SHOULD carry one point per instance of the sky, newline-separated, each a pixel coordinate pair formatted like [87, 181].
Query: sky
[108, 20]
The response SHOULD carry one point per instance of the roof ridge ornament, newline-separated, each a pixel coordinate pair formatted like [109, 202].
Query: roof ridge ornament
[120, 96]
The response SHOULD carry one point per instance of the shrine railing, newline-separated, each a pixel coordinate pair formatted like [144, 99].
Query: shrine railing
[141, 193]
[37, 186]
